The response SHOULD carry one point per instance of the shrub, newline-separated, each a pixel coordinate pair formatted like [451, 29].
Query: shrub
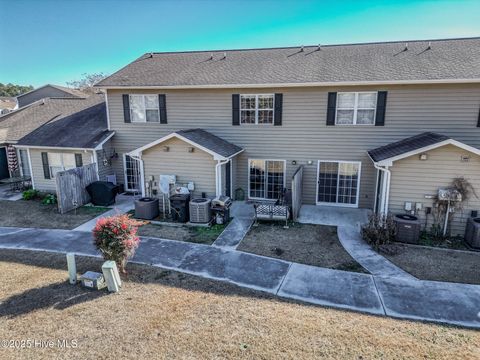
[380, 230]
[30, 194]
[116, 238]
[49, 199]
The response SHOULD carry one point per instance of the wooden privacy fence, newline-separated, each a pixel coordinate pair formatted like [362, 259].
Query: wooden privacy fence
[297, 184]
[71, 185]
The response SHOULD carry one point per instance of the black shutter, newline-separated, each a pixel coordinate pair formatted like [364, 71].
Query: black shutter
[46, 167]
[78, 160]
[381, 105]
[277, 121]
[235, 109]
[478, 121]
[126, 108]
[331, 108]
[162, 105]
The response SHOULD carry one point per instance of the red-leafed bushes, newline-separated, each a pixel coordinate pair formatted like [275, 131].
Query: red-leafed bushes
[116, 238]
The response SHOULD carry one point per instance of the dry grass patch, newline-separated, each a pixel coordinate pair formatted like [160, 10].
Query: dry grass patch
[34, 214]
[316, 245]
[429, 263]
[164, 314]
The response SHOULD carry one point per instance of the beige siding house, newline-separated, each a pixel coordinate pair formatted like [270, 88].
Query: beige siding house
[59, 134]
[323, 108]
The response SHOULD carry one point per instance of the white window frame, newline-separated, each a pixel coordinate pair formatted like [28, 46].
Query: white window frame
[62, 161]
[144, 108]
[265, 181]
[359, 163]
[356, 108]
[256, 110]
[21, 164]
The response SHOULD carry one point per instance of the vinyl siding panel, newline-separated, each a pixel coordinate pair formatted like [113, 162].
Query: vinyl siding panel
[198, 166]
[413, 178]
[448, 109]
[39, 180]
[105, 154]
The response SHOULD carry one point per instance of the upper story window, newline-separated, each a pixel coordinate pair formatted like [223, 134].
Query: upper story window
[144, 108]
[256, 109]
[356, 108]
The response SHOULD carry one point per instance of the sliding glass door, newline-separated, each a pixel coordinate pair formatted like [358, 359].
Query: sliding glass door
[338, 183]
[266, 179]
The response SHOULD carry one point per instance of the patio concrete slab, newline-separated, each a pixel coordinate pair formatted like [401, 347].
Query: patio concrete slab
[451, 303]
[342, 289]
[10, 230]
[252, 271]
[333, 215]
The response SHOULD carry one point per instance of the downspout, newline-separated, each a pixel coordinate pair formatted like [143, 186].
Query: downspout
[218, 177]
[385, 188]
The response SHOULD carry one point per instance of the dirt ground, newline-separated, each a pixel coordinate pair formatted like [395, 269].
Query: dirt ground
[199, 235]
[33, 213]
[316, 245]
[436, 264]
[167, 315]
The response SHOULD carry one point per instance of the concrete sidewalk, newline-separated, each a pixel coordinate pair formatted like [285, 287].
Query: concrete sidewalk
[123, 204]
[393, 296]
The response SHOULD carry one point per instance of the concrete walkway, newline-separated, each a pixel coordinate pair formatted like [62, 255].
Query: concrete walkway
[122, 204]
[393, 296]
[348, 222]
[243, 217]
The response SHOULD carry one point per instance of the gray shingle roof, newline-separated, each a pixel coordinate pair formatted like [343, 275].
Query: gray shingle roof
[210, 142]
[406, 145]
[66, 122]
[445, 59]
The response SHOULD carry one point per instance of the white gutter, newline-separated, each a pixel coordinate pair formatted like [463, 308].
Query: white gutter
[218, 177]
[300, 84]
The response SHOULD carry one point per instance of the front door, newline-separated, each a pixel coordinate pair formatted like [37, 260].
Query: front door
[338, 183]
[4, 173]
[132, 169]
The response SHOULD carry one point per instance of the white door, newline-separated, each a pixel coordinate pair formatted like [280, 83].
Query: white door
[132, 169]
[338, 183]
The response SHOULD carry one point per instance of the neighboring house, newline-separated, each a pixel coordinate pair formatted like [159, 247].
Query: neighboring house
[7, 104]
[57, 134]
[48, 91]
[357, 117]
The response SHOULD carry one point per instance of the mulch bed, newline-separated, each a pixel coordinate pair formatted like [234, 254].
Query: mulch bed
[34, 214]
[316, 245]
[429, 263]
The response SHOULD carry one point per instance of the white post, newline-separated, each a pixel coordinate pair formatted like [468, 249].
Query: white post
[112, 277]
[72, 268]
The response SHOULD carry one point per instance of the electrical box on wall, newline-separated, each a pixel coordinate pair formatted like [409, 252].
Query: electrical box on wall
[418, 206]
[408, 206]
